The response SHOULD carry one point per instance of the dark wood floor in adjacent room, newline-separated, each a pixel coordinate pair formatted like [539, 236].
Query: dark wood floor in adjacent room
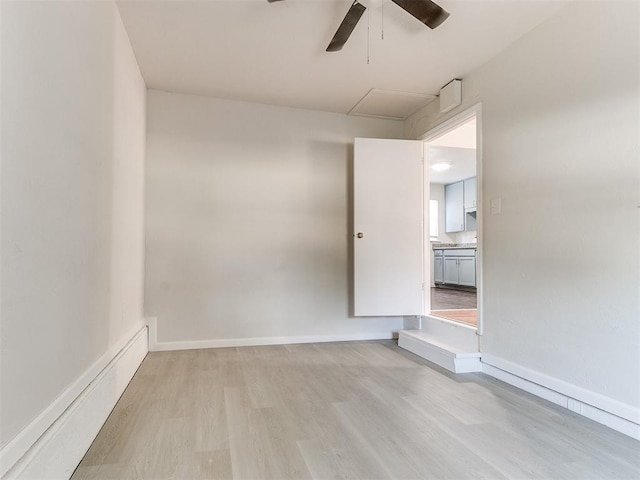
[448, 299]
[453, 304]
[352, 410]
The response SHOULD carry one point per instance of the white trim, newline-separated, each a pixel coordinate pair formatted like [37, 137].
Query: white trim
[455, 335]
[448, 321]
[155, 346]
[54, 443]
[452, 123]
[437, 131]
[445, 356]
[427, 252]
[620, 416]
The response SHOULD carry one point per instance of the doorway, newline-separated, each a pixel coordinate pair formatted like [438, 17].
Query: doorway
[453, 242]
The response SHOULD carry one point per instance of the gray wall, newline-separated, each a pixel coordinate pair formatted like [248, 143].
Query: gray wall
[560, 123]
[248, 220]
[73, 135]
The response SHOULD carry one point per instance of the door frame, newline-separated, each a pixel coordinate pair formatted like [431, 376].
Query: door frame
[435, 132]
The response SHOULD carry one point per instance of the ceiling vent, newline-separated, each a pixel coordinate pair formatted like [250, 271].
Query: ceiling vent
[390, 104]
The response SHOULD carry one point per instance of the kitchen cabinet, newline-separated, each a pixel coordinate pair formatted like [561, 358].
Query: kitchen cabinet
[470, 193]
[454, 207]
[460, 201]
[470, 202]
[451, 270]
[458, 266]
[438, 267]
[467, 271]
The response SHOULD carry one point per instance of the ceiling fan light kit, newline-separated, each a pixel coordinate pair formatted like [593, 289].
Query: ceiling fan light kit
[428, 12]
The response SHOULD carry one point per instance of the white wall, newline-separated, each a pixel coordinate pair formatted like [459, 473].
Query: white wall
[248, 222]
[73, 137]
[560, 124]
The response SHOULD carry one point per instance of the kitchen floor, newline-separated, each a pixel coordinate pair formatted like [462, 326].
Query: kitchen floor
[457, 305]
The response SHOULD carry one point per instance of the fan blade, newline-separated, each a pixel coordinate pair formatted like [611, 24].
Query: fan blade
[429, 13]
[346, 27]
[271, 1]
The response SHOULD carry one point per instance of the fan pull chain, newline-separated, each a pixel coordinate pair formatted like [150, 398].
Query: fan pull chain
[368, 34]
[382, 29]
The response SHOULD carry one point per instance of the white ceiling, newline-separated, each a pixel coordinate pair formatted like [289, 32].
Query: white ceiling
[463, 136]
[274, 53]
[462, 160]
[457, 147]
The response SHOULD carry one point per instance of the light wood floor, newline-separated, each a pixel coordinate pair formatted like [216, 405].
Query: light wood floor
[359, 410]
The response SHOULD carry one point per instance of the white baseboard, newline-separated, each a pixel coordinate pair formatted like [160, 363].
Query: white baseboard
[614, 414]
[155, 346]
[55, 442]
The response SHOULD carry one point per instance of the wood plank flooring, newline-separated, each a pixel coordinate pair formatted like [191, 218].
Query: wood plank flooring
[457, 305]
[449, 298]
[464, 315]
[352, 410]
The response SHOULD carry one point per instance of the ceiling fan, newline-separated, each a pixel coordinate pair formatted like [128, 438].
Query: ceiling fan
[428, 12]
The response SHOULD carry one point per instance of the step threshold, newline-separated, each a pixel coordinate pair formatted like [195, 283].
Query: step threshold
[448, 356]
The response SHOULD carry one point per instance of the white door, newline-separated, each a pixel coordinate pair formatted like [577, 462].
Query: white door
[388, 246]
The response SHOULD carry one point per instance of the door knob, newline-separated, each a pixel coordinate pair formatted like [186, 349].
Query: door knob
[360, 235]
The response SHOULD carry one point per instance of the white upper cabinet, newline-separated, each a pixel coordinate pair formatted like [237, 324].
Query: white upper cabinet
[460, 205]
[470, 193]
[454, 207]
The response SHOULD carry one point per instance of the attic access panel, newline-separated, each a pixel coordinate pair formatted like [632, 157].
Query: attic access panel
[390, 104]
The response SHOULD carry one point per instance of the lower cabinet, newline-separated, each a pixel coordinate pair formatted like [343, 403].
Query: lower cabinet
[455, 267]
[451, 270]
[467, 271]
[438, 268]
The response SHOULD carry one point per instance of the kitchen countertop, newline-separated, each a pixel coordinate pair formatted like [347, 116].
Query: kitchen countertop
[449, 246]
